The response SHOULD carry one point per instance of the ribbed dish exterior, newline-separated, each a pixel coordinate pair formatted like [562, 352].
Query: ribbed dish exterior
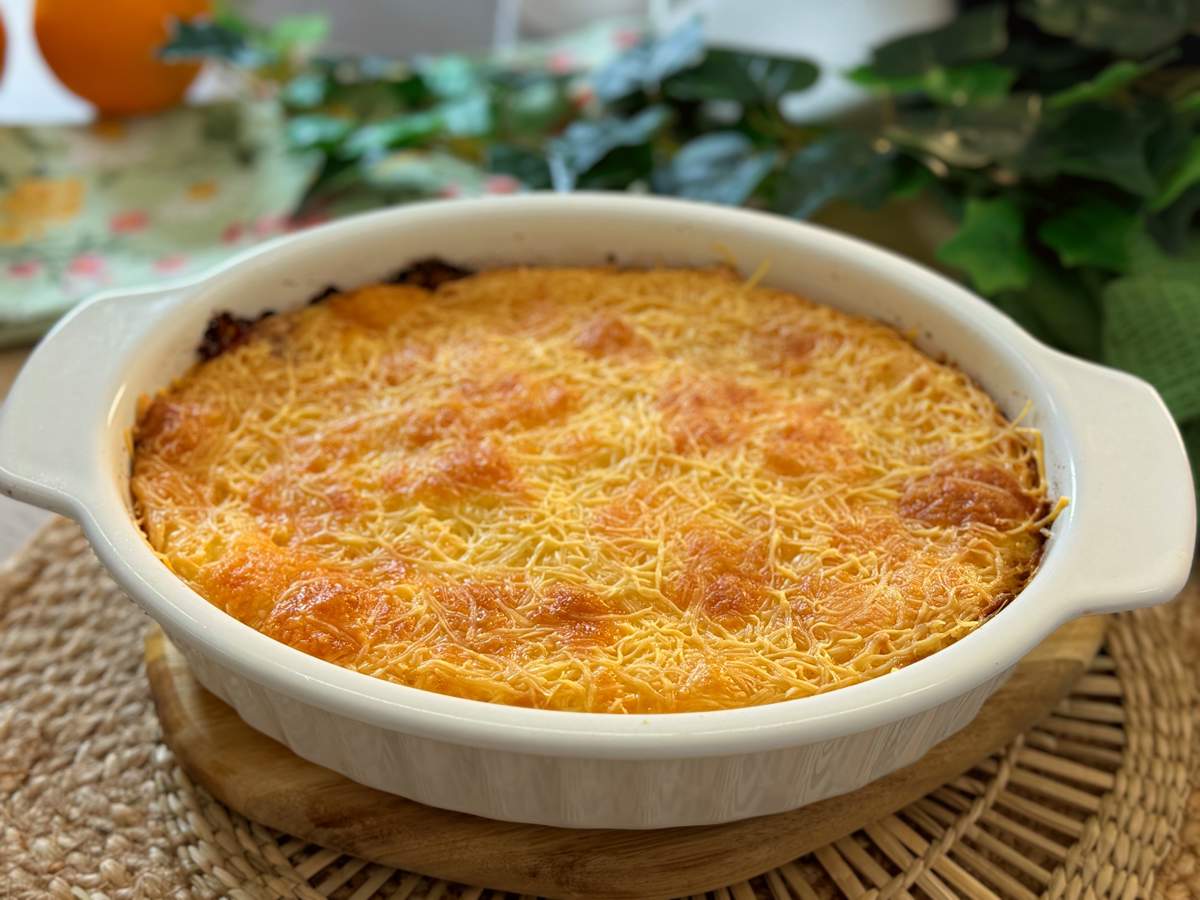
[572, 792]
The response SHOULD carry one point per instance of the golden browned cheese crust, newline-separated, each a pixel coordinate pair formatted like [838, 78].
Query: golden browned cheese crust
[591, 489]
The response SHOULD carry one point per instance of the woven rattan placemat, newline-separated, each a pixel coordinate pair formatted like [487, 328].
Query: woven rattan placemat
[1095, 801]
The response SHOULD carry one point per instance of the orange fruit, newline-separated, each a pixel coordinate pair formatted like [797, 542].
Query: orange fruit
[106, 52]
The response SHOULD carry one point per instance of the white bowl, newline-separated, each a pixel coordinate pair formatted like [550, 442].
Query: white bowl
[1125, 541]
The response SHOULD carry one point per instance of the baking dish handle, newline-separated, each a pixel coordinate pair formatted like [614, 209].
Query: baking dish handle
[1134, 519]
[53, 417]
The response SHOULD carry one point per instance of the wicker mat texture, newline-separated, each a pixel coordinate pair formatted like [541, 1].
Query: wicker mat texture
[1100, 800]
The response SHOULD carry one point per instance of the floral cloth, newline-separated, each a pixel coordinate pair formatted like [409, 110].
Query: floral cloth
[125, 203]
[120, 204]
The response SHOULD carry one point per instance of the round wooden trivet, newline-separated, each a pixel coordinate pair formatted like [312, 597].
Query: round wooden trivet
[265, 782]
[93, 804]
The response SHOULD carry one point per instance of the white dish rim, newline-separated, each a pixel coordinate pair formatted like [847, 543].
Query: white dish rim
[1057, 592]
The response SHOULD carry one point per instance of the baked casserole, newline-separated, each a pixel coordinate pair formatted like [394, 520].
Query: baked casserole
[590, 489]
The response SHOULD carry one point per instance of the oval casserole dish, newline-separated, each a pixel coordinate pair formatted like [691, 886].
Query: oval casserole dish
[1125, 541]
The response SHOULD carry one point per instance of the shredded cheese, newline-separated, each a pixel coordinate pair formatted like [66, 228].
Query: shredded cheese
[592, 489]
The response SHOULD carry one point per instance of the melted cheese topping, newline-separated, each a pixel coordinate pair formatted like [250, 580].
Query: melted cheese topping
[589, 489]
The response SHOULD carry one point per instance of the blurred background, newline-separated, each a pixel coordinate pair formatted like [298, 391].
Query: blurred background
[1044, 152]
[401, 29]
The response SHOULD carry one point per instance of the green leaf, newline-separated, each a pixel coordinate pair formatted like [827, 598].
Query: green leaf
[618, 170]
[586, 142]
[973, 83]
[1021, 308]
[1123, 27]
[1185, 175]
[306, 91]
[228, 14]
[842, 165]
[450, 76]
[748, 78]
[909, 179]
[1188, 103]
[973, 35]
[528, 167]
[1147, 258]
[1066, 310]
[955, 86]
[970, 136]
[1096, 233]
[646, 66]
[335, 174]
[316, 132]
[364, 88]
[199, 39]
[1152, 328]
[398, 131]
[469, 116]
[230, 38]
[1168, 143]
[1054, 62]
[1092, 141]
[412, 174]
[1113, 78]
[371, 99]
[990, 247]
[1173, 226]
[1191, 440]
[296, 34]
[724, 167]
[867, 77]
[535, 108]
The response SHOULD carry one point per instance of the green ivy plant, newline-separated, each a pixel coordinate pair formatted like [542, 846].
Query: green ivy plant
[1063, 136]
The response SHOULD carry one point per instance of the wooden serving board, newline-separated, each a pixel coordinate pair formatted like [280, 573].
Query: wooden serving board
[266, 782]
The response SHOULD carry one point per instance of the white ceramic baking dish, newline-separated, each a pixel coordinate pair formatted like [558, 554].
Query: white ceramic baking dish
[1125, 541]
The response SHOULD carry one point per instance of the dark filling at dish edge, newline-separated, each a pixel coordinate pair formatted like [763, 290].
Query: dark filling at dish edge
[226, 330]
